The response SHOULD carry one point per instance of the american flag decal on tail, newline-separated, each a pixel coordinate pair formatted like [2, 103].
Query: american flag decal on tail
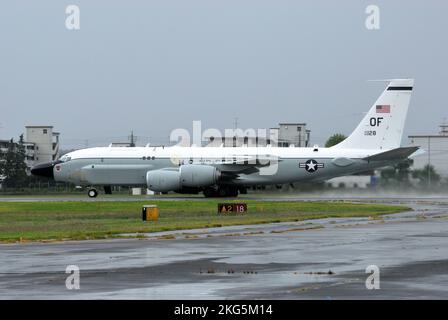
[383, 108]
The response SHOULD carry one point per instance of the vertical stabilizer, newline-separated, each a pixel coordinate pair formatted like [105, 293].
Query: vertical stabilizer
[382, 127]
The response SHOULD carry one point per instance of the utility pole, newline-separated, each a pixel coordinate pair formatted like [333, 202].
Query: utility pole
[235, 123]
[132, 138]
[429, 161]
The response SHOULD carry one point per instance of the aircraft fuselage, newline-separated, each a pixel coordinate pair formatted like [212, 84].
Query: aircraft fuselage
[129, 166]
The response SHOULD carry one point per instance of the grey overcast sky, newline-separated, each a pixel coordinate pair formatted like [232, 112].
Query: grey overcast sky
[156, 65]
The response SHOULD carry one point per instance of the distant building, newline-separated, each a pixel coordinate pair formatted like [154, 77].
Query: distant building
[293, 134]
[42, 144]
[287, 134]
[4, 145]
[237, 141]
[352, 182]
[121, 144]
[127, 144]
[436, 150]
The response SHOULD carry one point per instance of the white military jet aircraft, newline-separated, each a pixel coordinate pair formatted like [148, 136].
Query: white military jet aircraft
[223, 171]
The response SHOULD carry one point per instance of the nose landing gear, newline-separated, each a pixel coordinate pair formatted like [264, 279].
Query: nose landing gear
[92, 193]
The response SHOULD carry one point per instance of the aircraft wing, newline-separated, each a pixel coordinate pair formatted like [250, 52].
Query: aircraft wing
[247, 165]
[394, 154]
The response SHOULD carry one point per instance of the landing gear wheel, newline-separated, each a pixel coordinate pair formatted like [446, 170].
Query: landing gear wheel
[92, 193]
[223, 192]
[234, 192]
[210, 192]
[231, 192]
[107, 189]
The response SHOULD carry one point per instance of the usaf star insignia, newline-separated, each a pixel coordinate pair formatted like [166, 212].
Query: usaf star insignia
[311, 165]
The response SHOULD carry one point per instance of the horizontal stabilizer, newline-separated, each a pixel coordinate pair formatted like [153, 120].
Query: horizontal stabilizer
[394, 154]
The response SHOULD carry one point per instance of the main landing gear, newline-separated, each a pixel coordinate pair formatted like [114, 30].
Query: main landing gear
[107, 189]
[223, 191]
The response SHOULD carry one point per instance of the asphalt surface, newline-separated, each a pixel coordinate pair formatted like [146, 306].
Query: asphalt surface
[324, 259]
[365, 197]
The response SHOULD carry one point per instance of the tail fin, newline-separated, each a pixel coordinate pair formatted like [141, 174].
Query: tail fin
[382, 127]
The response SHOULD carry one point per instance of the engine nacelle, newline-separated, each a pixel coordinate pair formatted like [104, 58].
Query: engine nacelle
[163, 180]
[196, 175]
[188, 176]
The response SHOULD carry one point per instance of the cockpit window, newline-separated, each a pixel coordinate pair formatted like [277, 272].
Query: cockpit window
[65, 158]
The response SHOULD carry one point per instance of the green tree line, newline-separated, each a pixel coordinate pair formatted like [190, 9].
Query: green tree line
[12, 165]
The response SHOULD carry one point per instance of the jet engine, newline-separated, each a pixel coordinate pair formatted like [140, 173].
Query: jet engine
[163, 180]
[194, 175]
[187, 176]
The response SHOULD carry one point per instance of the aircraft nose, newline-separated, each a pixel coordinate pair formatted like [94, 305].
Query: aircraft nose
[44, 170]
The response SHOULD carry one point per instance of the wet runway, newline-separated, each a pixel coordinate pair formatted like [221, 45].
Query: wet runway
[323, 259]
[365, 197]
